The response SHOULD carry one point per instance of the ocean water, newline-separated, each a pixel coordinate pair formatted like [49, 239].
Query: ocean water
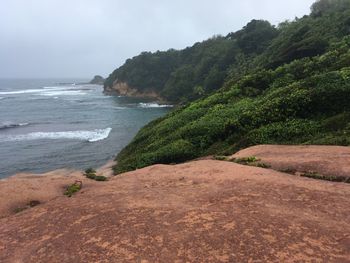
[49, 124]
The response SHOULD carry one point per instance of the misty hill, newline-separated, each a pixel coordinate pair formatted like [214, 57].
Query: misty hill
[180, 76]
[296, 91]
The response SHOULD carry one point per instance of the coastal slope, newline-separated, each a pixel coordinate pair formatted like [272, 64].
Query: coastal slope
[200, 211]
[260, 85]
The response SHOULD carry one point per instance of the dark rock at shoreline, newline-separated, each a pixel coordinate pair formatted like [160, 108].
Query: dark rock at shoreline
[98, 80]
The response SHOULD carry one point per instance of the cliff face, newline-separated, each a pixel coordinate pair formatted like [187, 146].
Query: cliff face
[123, 89]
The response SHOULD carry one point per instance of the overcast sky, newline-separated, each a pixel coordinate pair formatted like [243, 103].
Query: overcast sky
[82, 38]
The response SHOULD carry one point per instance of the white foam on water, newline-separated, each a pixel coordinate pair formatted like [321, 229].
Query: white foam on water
[20, 91]
[63, 93]
[90, 136]
[49, 91]
[119, 108]
[9, 124]
[154, 105]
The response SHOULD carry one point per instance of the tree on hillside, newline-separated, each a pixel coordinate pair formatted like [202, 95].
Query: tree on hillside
[255, 36]
[323, 6]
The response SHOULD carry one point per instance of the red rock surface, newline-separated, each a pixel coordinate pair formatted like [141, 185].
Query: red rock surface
[325, 160]
[201, 211]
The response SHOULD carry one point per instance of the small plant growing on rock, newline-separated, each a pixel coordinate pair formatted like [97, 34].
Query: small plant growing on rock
[331, 178]
[91, 174]
[220, 158]
[251, 161]
[73, 188]
[245, 160]
[288, 171]
[100, 178]
[263, 165]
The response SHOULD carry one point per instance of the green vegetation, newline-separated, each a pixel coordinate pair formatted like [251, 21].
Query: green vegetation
[181, 76]
[73, 188]
[246, 160]
[221, 158]
[186, 75]
[331, 178]
[292, 89]
[288, 170]
[100, 178]
[251, 161]
[91, 174]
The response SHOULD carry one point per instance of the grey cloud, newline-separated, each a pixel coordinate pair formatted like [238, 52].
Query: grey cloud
[81, 38]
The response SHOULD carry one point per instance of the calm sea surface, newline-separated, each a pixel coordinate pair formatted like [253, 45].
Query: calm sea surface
[48, 124]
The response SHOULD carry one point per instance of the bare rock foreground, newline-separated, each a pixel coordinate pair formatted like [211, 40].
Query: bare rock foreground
[201, 211]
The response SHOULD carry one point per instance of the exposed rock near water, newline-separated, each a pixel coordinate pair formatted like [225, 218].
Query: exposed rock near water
[123, 89]
[97, 80]
[201, 211]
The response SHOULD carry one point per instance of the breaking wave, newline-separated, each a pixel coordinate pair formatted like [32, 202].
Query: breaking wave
[49, 91]
[90, 136]
[154, 105]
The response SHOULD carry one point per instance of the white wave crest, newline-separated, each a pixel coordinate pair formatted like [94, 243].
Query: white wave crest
[56, 93]
[154, 105]
[90, 136]
[20, 91]
[49, 91]
[8, 124]
[118, 108]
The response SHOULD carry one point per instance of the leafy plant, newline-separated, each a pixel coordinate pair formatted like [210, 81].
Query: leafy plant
[73, 188]
[91, 174]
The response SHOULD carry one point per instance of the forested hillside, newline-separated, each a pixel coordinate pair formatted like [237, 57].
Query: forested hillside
[185, 75]
[290, 87]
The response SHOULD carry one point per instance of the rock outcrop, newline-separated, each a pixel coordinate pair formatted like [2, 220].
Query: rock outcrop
[201, 211]
[97, 80]
[123, 89]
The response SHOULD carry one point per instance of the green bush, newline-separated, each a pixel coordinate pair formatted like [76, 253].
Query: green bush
[90, 171]
[91, 174]
[100, 178]
[73, 188]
